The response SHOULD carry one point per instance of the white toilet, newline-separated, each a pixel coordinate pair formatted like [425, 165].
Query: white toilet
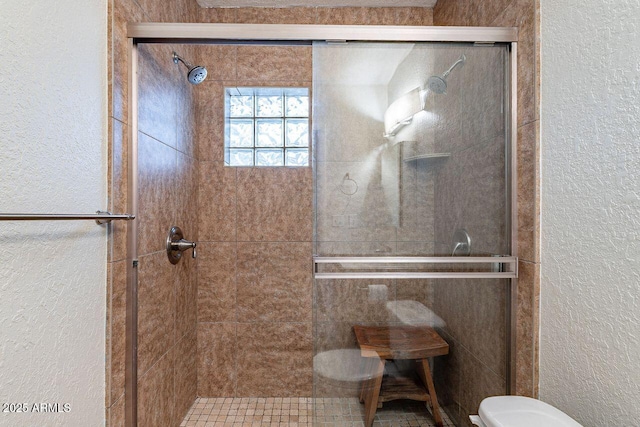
[517, 411]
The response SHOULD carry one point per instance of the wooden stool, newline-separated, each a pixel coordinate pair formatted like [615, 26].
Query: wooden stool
[381, 343]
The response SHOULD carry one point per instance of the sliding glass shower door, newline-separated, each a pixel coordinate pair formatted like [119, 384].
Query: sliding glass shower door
[412, 231]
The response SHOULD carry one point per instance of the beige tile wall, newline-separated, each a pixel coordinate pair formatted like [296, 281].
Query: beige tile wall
[254, 274]
[523, 14]
[321, 15]
[167, 173]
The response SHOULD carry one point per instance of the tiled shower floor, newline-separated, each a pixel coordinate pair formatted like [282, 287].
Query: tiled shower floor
[329, 412]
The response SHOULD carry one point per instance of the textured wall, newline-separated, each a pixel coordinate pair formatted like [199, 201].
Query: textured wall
[53, 126]
[590, 235]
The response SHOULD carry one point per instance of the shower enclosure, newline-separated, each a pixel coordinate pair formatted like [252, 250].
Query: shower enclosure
[412, 132]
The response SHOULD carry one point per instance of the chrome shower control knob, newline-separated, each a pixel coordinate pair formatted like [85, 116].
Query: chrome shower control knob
[176, 244]
[182, 245]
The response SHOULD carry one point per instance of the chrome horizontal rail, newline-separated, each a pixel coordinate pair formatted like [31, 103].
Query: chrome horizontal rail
[419, 275]
[415, 260]
[508, 268]
[99, 217]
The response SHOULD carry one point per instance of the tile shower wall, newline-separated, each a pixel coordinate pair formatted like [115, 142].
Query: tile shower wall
[524, 15]
[254, 273]
[320, 15]
[255, 267]
[167, 173]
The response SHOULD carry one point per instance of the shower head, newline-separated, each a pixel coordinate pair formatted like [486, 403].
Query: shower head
[196, 74]
[438, 84]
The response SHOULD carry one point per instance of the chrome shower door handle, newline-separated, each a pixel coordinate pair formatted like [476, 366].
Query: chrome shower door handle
[176, 244]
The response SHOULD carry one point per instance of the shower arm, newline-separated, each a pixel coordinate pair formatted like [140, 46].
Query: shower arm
[177, 58]
[460, 60]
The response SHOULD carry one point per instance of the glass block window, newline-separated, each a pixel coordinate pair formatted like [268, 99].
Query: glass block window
[266, 126]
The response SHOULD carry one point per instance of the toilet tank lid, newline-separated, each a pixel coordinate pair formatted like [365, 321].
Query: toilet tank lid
[518, 411]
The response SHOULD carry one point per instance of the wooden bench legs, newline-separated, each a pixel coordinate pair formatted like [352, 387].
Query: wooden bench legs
[370, 391]
[425, 375]
[371, 388]
[379, 344]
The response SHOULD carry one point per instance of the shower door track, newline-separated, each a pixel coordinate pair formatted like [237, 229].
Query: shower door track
[284, 34]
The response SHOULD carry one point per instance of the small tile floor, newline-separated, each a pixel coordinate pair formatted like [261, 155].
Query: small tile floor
[279, 411]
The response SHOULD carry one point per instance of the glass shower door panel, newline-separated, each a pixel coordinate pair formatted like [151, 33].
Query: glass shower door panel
[411, 162]
[400, 167]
